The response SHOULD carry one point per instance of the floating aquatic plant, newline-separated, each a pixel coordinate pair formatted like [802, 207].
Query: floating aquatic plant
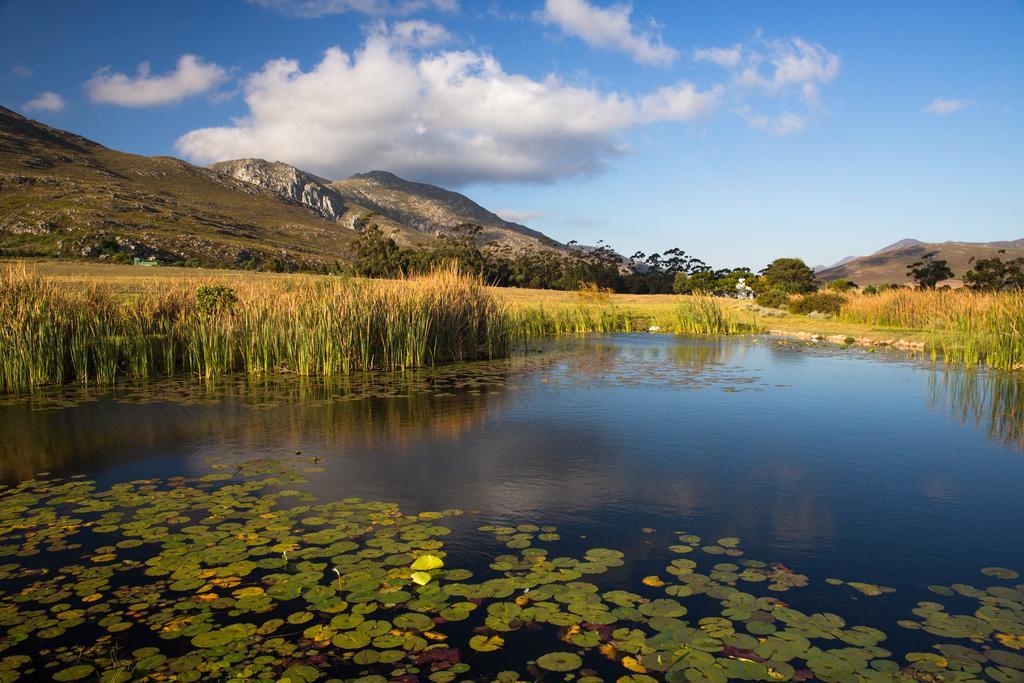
[246, 576]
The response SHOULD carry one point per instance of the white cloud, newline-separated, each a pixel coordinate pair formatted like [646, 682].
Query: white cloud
[514, 216]
[47, 101]
[680, 102]
[609, 27]
[192, 76]
[779, 126]
[773, 70]
[419, 33]
[778, 64]
[722, 56]
[799, 62]
[943, 107]
[451, 116]
[318, 8]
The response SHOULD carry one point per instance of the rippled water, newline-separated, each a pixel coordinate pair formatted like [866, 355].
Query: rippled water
[834, 462]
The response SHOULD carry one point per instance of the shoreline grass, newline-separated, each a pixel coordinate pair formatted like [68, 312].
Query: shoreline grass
[53, 334]
[67, 322]
[967, 327]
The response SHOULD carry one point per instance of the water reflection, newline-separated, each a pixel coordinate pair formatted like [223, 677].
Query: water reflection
[816, 457]
[65, 429]
[987, 399]
[176, 416]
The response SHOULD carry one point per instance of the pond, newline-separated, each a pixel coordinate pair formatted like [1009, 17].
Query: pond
[643, 506]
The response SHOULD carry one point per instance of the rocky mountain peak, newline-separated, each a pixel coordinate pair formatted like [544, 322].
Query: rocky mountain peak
[288, 182]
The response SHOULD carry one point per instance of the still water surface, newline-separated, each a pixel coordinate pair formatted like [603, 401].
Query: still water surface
[832, 462]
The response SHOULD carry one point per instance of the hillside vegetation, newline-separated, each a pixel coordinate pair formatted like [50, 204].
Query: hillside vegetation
[64, 195]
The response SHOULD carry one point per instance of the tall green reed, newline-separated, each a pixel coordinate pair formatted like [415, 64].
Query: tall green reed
[52, 334]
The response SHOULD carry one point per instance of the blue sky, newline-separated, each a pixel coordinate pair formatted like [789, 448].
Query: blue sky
[738, 131]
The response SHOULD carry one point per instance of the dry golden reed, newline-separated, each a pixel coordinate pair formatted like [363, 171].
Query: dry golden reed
[968, 327]
[51, 334]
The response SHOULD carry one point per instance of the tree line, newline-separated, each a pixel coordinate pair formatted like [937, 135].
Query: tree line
[672, 271]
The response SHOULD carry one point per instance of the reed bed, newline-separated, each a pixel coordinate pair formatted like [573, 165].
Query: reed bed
[547, 321]
[968, 327]
[700, 315]
[52, 334]
[704, 315]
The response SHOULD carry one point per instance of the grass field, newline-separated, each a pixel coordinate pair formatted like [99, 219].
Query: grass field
[645, 310]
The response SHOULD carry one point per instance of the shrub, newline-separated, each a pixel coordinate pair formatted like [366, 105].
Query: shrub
[215, 298]
[822, 302]
[591, 292]
[842, 285]
[773, 297]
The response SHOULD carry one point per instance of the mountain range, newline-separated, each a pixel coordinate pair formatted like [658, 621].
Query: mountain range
[64, 195]
[889, 264]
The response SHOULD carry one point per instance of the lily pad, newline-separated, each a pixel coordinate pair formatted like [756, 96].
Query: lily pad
[559, 661]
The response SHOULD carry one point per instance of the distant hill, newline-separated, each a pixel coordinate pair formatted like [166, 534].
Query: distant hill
[889, 264]
[63, 195]
[845, 259]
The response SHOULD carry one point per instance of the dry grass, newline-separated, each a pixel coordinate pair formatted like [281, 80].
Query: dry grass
[315, 325]
[53, 332]
[968, 327]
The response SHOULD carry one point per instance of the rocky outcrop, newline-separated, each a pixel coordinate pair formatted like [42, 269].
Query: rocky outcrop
[287, 182]
[417, 207]
[428, 208]
[431, 209]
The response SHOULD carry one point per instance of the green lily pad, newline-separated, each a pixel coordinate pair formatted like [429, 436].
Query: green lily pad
[559, 661]
[486, 643]
[1000, 573]
[74, 673]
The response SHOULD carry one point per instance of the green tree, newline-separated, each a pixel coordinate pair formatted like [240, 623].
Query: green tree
[842, 285]
[460, 247]
[790, 275]
[992, 274]
[376, 255]
[681, 283]
[929, 272]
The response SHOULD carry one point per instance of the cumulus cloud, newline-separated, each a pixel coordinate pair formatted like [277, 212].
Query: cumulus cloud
[47, 101]
[318, 8]
[679, 102]
[943, 107]
[192, 76]
[450, 116]
[608, 27]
